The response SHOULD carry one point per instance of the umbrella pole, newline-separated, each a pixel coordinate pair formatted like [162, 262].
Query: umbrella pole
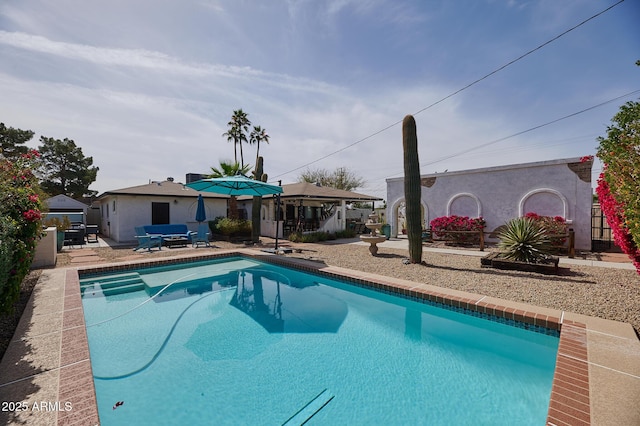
[278, 215]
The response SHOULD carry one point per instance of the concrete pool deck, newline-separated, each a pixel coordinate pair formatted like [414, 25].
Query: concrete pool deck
[46, 378]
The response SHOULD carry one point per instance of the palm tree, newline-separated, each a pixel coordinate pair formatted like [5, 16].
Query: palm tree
[237, 133]
[225, 169]
[258, 134]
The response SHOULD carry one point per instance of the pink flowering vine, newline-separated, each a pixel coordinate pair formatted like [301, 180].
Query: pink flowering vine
[616, 220]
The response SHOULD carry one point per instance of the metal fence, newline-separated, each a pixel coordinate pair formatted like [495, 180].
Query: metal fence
[601, 237]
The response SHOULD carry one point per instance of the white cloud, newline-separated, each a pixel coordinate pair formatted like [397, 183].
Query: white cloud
[159, 91]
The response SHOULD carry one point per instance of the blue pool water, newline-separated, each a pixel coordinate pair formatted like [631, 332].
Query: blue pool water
[243, 342]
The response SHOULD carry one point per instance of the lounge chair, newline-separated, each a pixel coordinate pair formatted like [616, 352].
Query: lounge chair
[146, 241]
[202, 236]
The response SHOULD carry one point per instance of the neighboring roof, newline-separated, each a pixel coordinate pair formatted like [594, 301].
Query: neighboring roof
[64, 202]
[165, 188]
[311, 190]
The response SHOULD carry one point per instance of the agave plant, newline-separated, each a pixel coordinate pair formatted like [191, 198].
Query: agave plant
[525, 240]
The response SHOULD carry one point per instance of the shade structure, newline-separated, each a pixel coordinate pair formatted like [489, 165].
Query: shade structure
[201, 216]
[235, 185]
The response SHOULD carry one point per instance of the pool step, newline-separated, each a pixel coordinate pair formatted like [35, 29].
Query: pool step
[112, 284]
[310, 409]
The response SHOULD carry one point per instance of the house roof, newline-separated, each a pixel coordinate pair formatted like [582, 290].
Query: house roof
[292, 190]
[164, 188]
[311, 190]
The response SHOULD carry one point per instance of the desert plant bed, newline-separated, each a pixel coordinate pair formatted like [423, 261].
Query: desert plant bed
[497, 260]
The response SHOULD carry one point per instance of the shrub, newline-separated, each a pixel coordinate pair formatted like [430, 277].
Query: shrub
[232, 227]
[315, 237]
[347, 233]
[618, 184]
[20, 224]
[440, 226]
[525, 240]
[61, 224]
[616, 220]
[556, 228]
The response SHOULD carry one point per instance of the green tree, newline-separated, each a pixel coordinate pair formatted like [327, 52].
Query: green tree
[258, 134]
[225, 169]
[237, 133]
[340, 178]
[12, 142]
[620, 155]
[65, 169]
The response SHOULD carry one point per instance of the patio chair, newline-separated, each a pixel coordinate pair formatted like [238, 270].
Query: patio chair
[147, 241]
[202, 236]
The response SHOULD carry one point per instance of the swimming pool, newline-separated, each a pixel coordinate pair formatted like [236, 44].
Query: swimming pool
[238, 341]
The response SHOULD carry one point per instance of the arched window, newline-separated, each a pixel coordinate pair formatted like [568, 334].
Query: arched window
[464, 204]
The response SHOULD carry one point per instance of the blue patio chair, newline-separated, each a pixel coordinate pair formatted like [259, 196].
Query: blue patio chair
[147, 241]
[202, 236]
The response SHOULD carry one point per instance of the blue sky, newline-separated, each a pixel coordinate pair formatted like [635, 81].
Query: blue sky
[146, 87]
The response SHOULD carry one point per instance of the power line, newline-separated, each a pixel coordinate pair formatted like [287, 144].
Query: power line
[533, 128]
[457, 91]
[530, 129]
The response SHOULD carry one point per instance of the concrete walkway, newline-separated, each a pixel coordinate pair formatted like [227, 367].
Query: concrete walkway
[403, 244]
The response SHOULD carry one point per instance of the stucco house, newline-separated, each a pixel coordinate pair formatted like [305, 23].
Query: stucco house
[310, 206]
[551, 188]
[121, 210]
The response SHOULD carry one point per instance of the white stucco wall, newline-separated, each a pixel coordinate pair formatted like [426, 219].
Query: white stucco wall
[120, 214]
[498, 194]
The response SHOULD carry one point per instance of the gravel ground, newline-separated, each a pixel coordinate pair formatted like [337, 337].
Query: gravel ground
[9, 321]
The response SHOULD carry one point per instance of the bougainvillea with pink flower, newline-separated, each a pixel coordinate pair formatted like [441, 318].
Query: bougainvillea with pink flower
[555, 226]
[20, 223]
[616, 220]
[441, 227]
[618, 187]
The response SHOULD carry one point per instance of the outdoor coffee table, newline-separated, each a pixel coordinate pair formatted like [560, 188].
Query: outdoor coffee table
[175, 241]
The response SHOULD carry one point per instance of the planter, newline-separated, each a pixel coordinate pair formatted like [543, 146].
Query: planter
[386, 230]
[495, 260]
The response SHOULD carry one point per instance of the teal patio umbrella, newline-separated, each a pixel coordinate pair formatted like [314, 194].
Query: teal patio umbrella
[238, 185]
[235, 185]
[201, 216]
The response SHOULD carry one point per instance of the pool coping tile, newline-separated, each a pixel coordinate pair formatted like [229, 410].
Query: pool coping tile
[571, 399]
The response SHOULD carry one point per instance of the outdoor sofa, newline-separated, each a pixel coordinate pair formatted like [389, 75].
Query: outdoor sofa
[168, 231]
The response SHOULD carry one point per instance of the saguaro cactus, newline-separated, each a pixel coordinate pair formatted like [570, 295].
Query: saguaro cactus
[412, 191]
[257, 202]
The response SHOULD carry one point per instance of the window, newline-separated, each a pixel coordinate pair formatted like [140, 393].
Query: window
[159, 213]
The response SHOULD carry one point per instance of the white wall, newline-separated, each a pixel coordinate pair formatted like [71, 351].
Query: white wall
[336, 222]
[125, 212]
[46, 251]
[498, 194]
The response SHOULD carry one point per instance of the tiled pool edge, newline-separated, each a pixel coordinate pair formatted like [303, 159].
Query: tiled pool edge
[75, 383]
[569, 402]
